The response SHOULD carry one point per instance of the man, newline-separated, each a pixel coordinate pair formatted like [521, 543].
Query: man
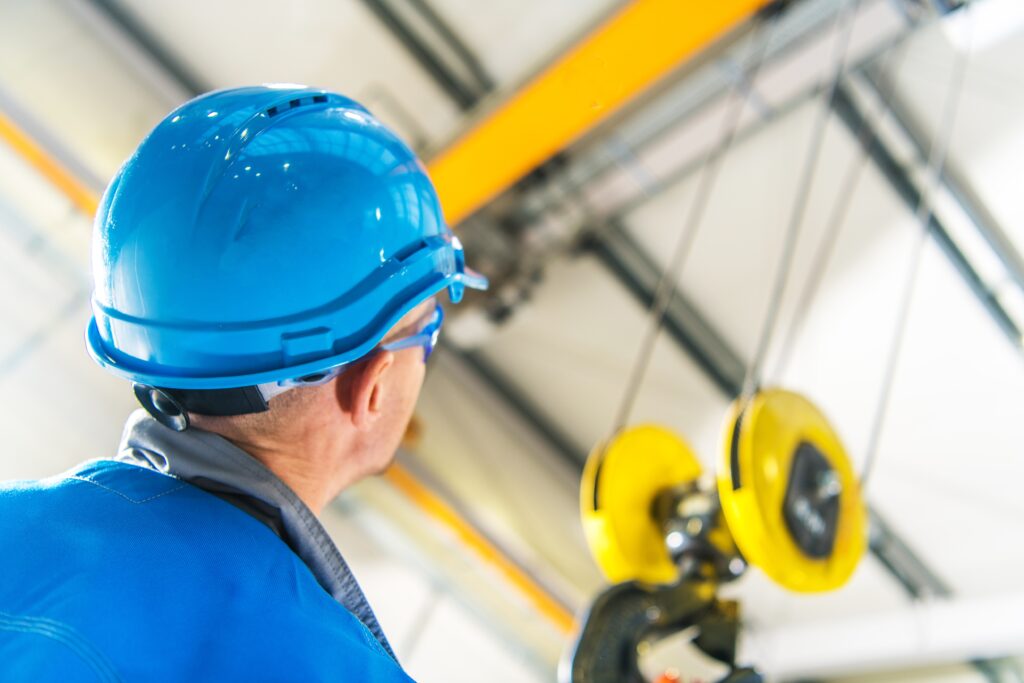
[266, 268]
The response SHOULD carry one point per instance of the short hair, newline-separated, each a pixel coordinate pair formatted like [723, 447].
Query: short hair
[283, 409]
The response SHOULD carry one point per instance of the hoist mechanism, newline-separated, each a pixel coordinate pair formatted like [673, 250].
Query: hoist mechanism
[786, 501]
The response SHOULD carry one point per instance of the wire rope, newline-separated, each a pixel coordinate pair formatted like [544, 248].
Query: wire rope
[922, 217]
[711, 165]
[845, 19]
[839, 213]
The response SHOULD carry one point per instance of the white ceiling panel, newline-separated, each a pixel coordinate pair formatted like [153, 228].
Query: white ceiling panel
[76, 88]
[31, 198]
[25, 309]
[766, 605]
[950, 462]
[961, 673]
[955, 400]
[453, 569]
[67, 408]
[987, 145]
[571, 347]
[435, 660]
[515, 486]
[39, 22]
[335, 45]
[513, 39]
[736, 252]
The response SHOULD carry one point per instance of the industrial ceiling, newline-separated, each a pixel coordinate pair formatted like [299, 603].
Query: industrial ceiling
[531, 376]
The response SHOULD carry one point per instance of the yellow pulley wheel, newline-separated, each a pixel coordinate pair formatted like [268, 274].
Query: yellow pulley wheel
[789, 493]
[619, 486]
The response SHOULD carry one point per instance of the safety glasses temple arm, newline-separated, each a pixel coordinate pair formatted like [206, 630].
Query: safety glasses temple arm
[474, 279]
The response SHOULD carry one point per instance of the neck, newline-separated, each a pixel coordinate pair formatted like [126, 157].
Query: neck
[307, 462]
[299, 468]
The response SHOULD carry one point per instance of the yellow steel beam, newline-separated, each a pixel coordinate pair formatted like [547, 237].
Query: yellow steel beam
[633, 50]
[79, 194]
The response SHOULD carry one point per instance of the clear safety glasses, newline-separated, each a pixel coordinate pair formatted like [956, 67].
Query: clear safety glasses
[425, 337]
[424, 332]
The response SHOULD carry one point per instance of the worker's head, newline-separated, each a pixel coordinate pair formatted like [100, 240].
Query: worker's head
[258, 240]
[359, 415]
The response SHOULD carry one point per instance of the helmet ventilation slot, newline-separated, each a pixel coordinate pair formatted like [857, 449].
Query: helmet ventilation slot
[295, 103]
[408, 250]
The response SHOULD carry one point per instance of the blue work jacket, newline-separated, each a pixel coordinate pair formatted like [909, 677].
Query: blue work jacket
[117, 572]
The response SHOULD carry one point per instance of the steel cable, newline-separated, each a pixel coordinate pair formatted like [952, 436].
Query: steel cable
[838, 215]
[923, 217]
[705, 184]
[846, 18]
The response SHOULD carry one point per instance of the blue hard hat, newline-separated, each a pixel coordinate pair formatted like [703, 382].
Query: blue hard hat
[260, 234]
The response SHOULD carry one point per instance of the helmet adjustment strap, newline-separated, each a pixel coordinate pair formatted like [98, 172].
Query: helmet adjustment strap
[170, 407]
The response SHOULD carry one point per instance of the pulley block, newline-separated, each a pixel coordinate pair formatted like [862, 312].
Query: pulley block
[789, 493]
[621, 481]
[787, 501]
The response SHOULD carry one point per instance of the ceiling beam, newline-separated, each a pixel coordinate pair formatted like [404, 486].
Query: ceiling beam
[32, 143]
[903, 563]
[149, 45]
[635, 147]
[475, 68]
[632, 51]
[521, 404]
[436, 48]
[639, 273]
[899, 179]
[448, 514]
[957, 185]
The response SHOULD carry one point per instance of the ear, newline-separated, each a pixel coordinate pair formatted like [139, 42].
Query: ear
[367, 389]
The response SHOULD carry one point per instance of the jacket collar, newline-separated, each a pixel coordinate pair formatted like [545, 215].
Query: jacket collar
[214, 464]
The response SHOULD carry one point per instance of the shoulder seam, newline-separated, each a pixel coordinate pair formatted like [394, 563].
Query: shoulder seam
[129, 498]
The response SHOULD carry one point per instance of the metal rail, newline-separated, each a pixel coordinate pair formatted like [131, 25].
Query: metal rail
[957, 185]
[850, 114]
[464, 94]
